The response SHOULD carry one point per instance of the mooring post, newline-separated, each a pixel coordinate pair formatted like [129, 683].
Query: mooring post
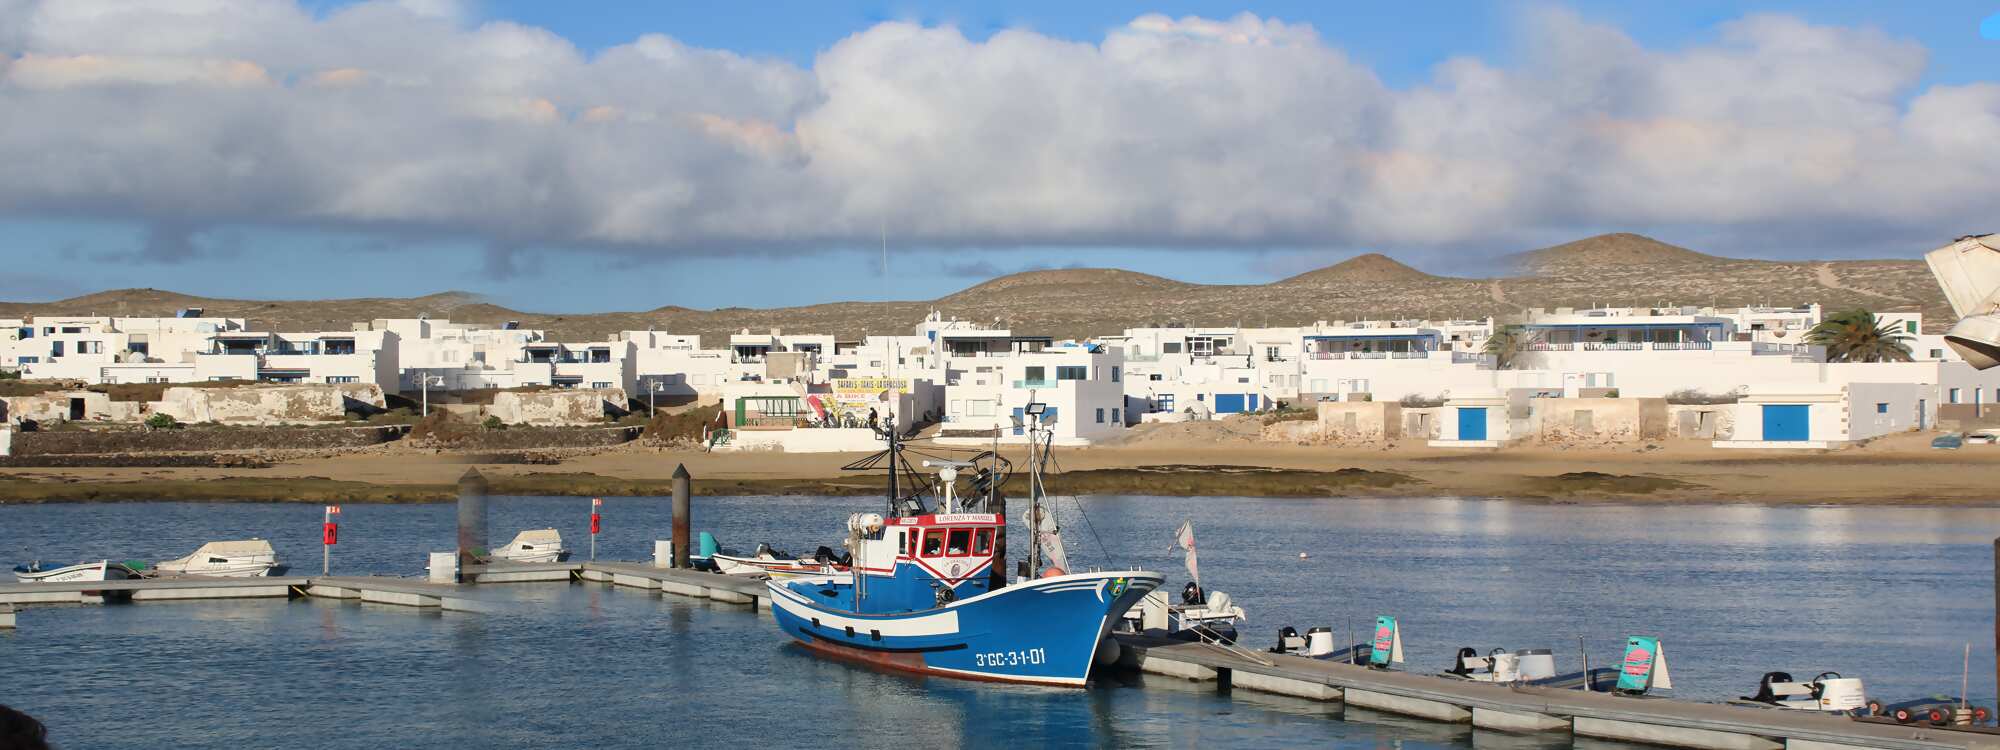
[471, 518]
[683, 508]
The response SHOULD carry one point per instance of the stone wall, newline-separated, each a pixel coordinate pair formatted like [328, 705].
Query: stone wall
[268, 404]
[198, 440]
[1701, 421]
[1360, 422]
[573, 406]
[1601, 421]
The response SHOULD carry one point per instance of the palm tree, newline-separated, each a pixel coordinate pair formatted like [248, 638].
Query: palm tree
[1855, 336]
[1508, 345]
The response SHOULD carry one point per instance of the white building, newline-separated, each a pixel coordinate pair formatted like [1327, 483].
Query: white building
[461, 356]
[990, 381]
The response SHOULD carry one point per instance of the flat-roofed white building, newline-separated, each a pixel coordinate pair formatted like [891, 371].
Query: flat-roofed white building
[77, 347]
[1080, 384]
[461, 356]
[327, 357]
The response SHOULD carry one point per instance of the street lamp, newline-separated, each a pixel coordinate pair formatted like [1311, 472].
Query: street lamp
[652, 392]
[426, 380]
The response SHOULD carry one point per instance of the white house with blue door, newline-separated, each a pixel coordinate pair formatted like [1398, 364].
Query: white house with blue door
[1830, 416]
[1479, 420]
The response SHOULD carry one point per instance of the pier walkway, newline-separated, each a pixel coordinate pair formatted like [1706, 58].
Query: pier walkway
[1656, 721]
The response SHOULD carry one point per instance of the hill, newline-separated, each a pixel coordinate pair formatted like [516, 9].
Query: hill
[1608, 251]
[1372, 268]
[1613, 270]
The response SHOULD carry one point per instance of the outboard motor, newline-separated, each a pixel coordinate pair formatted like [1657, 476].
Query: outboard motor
[1191, 594]
[1288, 641]
[1765, 691]
[1468, 660]
[824, 555]
[1319, 642]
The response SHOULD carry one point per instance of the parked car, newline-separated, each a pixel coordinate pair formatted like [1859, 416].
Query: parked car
[1983, 437]
[1950, 441]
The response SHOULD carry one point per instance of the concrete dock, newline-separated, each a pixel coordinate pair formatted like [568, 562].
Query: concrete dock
[691, 583]
[148, 589]
[1649, 720]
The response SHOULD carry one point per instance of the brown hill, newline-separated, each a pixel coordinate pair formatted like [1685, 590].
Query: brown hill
[1372, 268]
[1066, 282]
[1608, 251]
[1614, 270]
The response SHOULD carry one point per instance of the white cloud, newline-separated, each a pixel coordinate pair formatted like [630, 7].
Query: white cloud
[405, 115]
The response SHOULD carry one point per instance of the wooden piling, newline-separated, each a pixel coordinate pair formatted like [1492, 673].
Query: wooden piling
[683, 508]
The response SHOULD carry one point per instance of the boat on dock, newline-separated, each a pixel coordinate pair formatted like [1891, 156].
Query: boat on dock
[247, 558]
[533, 546]
[1529, 666]
[102, 570]
[929, 592]
[770, 563]
[1828, 692]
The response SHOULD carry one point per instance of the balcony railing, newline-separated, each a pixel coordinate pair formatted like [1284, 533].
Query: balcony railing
[1459, 358]
[1409, 355]
[1613, 346]
[1044, 383]
[1328, 355]
[1548, 346]
[1368, 355]
[1683, 346]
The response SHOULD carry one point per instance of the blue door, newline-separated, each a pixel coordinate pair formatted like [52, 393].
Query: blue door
[1471, 423]
[1787, 422]
[1253, 402]
[1229, 403]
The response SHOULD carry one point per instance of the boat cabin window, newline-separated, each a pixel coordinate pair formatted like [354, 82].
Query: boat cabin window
[934, 543]
[961, 541]
[983, 543]
[218, 559]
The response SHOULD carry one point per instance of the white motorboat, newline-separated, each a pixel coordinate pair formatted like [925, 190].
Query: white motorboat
[102, 570]
[533, 546]
[245, 558]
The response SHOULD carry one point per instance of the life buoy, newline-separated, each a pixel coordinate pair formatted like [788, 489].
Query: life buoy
[1053, 571]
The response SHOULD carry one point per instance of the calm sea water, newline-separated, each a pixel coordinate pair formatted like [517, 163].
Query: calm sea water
[1889, 594]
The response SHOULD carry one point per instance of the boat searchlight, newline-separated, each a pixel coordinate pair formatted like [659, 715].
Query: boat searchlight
[1969, 271]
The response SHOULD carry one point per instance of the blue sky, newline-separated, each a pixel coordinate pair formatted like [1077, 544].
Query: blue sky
[224, 222]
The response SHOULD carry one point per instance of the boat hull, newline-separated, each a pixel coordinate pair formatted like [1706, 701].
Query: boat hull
[1042, 632]
[97, 571]
[218, 570]
[777, 569]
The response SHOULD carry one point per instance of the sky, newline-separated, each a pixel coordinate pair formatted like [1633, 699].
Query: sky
[592, 156]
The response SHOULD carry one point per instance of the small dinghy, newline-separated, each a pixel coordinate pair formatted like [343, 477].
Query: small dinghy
[1829, 692]
[533, 546]
[1199, 615]
[776, 565]
[1528, 666]
[247, 558]
[102, 570]
[1317, 643]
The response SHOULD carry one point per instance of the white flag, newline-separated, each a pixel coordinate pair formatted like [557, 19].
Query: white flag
[1186, 538]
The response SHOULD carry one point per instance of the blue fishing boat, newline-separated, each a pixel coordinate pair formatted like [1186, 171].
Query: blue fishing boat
[928, 590]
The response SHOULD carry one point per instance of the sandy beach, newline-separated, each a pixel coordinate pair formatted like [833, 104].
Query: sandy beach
[1901, 469]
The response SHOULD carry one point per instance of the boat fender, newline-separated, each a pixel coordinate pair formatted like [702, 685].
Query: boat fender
[945, 595]
[1053, 571]
[1108, 651]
